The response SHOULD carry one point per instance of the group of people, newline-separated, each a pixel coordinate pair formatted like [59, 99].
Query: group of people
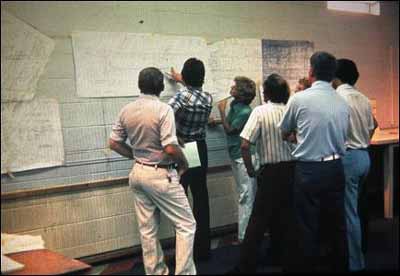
[298, 162]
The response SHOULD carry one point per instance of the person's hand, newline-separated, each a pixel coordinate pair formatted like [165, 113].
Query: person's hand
[212, 122]
[251, 172]
[292, 138]
[182, 169]
[222, 105]
[181, 142]
[176, 76]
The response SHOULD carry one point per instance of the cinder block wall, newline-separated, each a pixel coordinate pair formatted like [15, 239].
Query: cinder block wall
[101, 219]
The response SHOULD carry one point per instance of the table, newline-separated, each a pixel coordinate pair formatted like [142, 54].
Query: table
[389, 138]
[46, 262]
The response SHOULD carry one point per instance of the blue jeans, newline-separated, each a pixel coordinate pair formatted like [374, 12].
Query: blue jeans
[356, 165]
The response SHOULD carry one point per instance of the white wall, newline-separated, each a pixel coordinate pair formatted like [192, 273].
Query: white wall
[66, 219]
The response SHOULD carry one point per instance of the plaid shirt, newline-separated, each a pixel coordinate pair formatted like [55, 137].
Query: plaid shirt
[192, 107]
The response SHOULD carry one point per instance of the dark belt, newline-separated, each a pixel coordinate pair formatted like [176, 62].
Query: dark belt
[162, 166]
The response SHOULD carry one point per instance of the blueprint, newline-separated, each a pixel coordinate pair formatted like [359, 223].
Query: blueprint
[288, 58]
[24, 55]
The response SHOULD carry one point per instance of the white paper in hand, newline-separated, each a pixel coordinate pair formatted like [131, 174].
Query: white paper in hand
[192, 154]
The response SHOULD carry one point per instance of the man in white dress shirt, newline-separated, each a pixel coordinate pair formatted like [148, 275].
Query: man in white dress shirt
[356, 161]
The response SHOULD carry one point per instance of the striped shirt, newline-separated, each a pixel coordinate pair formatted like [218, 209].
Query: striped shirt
[261, 128]
[192, 107]
[361, 119]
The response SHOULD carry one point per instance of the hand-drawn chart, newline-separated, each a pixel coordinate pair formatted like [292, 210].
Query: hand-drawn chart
[288, 58]
[234, 57]
[108, 64]
[24, 54]
[231, 58]
[31, 135]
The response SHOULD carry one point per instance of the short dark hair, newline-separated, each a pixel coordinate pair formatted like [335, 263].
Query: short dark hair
[276, 89]
[323, 65]
[193, 72]
[246, 89]
[151, 81]
[305, 82]
[346, 71]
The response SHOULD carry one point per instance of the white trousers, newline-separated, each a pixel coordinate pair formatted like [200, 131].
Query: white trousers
[154, 192]
[246, 188]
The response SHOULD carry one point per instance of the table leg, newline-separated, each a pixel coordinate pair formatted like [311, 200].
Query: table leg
[388, 179]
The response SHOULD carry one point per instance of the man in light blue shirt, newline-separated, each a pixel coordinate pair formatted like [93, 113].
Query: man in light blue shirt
[320, 118]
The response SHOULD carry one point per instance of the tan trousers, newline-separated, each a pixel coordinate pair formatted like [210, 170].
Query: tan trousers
[155, 190]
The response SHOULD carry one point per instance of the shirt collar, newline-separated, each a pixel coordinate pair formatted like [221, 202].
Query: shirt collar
[277, 104]
[344, 86]
[149, 97]
[194, 88]
[321, 83]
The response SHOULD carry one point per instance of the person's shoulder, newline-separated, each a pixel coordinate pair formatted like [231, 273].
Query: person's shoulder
[165, 106]
[245, 110]
[129, 106]
[298, 97]
[260, 109]
[205, 94]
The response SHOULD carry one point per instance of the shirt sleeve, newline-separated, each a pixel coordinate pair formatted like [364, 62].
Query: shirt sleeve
[288, 121]
[370, 118]
[118, 132]
[252, 128]
[176, 101]
[168, 128]
[240, 120]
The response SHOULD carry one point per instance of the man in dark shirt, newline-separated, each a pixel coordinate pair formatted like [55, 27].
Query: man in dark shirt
[192, 107]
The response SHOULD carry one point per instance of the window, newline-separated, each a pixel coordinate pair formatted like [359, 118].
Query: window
[368, 7]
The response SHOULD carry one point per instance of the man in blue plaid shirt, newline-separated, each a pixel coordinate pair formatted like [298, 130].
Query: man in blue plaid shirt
[192, 108]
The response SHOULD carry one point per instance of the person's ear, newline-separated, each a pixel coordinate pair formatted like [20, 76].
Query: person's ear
[310, 73]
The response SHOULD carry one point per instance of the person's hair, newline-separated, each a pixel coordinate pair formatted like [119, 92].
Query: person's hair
[193, 72]
[151, 81]
[246, 89]
[323, 65]
[305, 82]
[276, 89]
[346, 71]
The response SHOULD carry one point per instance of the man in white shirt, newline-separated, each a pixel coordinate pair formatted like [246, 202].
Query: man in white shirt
[356, 161]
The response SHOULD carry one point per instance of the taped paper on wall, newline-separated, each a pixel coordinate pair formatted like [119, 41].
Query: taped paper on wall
[108, 64]
[24, 55]
[31, 135]
[288, 58]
